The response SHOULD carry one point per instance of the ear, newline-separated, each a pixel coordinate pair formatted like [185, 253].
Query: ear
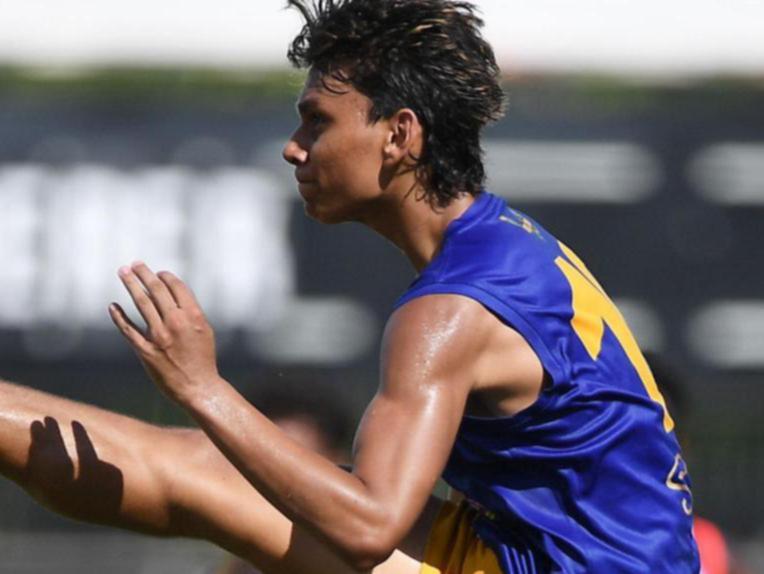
[404, 137]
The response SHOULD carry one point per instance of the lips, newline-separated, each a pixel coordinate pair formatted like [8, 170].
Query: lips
[301, 177]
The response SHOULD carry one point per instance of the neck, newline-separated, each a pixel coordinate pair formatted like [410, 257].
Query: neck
[415, 226]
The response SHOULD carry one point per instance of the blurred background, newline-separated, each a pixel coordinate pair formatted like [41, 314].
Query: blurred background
[153, 131]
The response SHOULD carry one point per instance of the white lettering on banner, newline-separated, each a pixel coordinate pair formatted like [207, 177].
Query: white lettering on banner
[65, 231]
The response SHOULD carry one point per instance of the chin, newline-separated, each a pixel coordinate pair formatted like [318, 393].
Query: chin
[323, 215]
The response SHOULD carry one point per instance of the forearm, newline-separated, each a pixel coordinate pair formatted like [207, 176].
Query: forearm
[309, 489]
[82, 461]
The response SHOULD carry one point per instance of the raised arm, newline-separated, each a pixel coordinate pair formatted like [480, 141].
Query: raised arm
[431, 350]
[401, 446]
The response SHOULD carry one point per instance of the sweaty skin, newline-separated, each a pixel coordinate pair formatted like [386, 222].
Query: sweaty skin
[245, 484]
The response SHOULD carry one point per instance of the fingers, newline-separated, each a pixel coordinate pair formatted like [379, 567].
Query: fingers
[156, 288]
[163, 300]
[183, 296]
[130, 331]
[141, 298]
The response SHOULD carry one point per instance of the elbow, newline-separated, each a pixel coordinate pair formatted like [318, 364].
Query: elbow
[367, 558]
[370, 547]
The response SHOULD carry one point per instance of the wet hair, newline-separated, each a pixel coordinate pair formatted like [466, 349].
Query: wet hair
[425, 55]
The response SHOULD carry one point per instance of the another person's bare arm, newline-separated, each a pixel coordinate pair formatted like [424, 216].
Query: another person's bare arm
[92, 464]
[102, 467]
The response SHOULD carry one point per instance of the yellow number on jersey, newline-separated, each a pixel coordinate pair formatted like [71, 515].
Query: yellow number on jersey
[592, 309]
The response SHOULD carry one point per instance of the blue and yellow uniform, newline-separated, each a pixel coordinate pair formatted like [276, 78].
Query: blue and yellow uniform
[589, 479]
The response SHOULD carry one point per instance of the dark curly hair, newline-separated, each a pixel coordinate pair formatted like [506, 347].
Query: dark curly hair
[426, 55]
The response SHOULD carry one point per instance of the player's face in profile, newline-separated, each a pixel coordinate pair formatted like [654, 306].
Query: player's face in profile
[337, 153]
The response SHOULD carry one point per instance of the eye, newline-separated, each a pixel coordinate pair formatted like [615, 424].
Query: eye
[316, 120]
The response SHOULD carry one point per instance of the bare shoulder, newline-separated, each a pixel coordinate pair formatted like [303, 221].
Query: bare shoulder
[446, 326]
[455, 338]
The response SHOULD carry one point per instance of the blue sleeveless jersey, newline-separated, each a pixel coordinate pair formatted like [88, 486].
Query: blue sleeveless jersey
[589, 479]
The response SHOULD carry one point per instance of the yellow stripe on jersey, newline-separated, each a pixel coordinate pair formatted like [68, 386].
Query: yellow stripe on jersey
[591, 310]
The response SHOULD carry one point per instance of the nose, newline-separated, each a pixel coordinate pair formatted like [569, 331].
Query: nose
[294, 153]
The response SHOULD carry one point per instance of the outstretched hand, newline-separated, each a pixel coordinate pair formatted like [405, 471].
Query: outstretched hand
[177, 348]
